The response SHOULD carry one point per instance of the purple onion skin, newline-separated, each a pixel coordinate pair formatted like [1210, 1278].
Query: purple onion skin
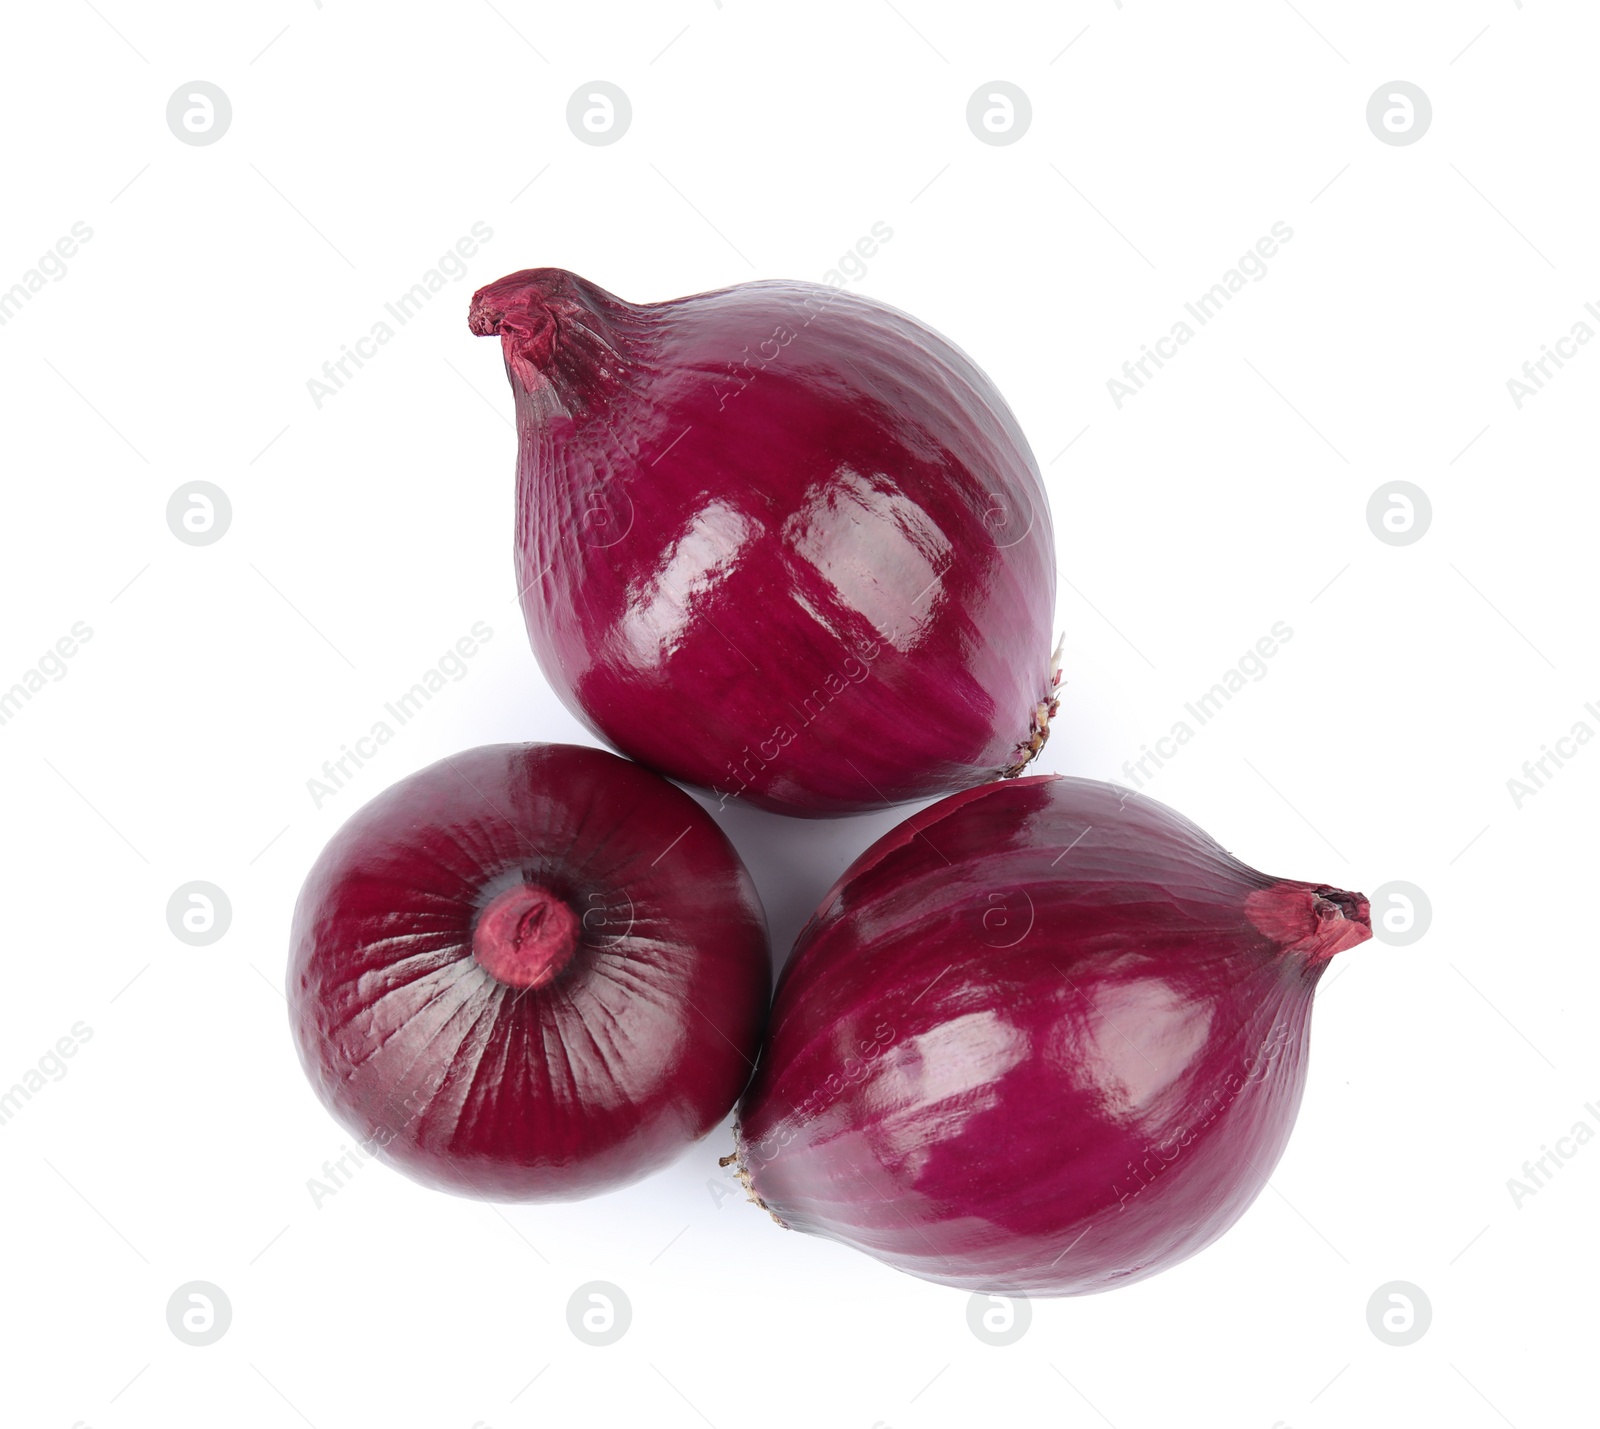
[779, 541]
[1045, 1037]
[642, 954]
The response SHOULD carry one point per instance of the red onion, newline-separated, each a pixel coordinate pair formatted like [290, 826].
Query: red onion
[529, 972]
[1044, 1037]
[779, 540]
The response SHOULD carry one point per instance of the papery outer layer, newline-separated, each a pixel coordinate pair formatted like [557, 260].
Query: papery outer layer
[638, 1045]
[779, 541]
[1044, 1037]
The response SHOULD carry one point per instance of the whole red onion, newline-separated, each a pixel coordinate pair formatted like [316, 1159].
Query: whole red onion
[780, 541]
[1044, 1037]
[529, 972]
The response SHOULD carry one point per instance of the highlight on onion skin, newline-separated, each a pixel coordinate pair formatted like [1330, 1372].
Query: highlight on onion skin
[529, 972]
[1045, 1037]
[778, 541]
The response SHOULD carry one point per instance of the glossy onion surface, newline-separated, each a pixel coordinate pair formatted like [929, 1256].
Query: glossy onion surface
[1045, 1036]
[529, 972]
[779, 541]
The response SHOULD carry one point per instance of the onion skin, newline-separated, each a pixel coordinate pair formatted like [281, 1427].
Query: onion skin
[634, 968]
[779, 541]
[1045, 1037]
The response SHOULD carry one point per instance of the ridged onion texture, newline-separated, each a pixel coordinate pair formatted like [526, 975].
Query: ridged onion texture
[529, 972]
[779, 541]
[1044, 1037]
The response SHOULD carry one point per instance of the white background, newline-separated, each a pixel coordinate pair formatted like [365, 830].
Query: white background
[368, 535]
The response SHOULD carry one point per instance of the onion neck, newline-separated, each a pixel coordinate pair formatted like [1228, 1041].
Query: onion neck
[567, 342]
[525, 936]
[1310, 921]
